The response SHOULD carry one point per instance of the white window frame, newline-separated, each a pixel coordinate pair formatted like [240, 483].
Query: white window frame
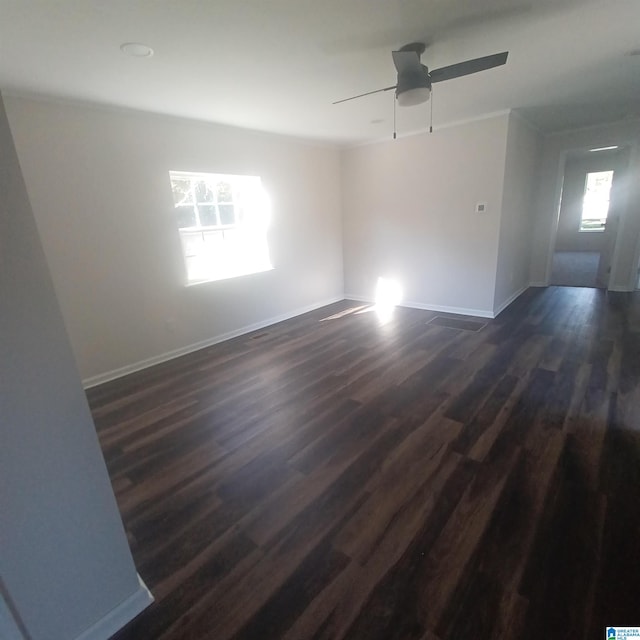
[243, 255]
[601, 228]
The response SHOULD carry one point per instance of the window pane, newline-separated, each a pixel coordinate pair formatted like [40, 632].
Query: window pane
[208, 217]
[227, 214]
[181, 191]
[223, 221]
[224, 192]
[186, 217]
[595, 206]
[203, 192]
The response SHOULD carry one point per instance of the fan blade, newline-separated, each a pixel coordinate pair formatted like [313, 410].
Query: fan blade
[364, 94]
[467, 67]
[406, 61]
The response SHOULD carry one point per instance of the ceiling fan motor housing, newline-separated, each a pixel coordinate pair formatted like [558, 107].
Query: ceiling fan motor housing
[414, 86]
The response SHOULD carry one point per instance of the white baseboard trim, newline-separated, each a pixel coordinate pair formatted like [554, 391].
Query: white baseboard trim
[617, 288]
[120, 616]
[101, 378]
[500, 308]
[353, 296]
[463, 311]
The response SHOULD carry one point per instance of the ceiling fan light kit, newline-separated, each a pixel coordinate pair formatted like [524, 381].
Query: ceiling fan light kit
[413, 82]
[412, 97]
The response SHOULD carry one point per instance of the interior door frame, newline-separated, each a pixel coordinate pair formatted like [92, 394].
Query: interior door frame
[557, 198]
[622, 206]
[634, 159]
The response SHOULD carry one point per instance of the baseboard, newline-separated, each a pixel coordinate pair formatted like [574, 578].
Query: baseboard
[101, 378]
[621, 289]
[120, 616]
[498, 310]
[353, 296]
[617, 289]
[462, 311]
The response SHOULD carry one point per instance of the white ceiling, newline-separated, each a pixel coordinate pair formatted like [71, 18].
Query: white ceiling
[277, 65]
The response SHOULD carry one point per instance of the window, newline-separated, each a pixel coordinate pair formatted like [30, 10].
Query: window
[222, 221]
[595, 205]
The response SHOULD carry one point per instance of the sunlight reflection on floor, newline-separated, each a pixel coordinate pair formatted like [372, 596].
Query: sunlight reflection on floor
[388, 296]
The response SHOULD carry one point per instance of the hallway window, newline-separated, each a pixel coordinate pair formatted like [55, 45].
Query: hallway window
[595, 205]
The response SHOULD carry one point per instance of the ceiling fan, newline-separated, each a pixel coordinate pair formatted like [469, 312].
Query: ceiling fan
[413, 84]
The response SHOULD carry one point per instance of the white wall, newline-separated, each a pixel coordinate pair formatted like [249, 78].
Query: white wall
[516, 224]
[554, 151]
[64, 560]
[98, 181]
[409, 214]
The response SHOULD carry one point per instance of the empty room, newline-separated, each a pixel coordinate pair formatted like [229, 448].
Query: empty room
[319, 320]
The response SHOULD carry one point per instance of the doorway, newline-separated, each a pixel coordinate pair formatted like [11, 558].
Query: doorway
[588, 217]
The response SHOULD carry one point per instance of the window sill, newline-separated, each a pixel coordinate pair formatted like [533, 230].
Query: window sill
[230, 276]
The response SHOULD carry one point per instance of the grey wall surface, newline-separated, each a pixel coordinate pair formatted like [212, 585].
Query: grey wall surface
[516, 222]
[409, 215]
[98, 180]
[64, 558]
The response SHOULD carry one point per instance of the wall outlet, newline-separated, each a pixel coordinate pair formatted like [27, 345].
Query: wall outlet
[481, 207]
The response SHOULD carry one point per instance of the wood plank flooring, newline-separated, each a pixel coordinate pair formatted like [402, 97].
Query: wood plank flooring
[334, 477]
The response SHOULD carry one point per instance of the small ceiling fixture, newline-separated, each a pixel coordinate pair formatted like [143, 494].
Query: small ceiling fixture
[615, 146]
[136, 49]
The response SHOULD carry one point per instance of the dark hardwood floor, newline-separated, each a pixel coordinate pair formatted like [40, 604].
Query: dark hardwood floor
[332, 477]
